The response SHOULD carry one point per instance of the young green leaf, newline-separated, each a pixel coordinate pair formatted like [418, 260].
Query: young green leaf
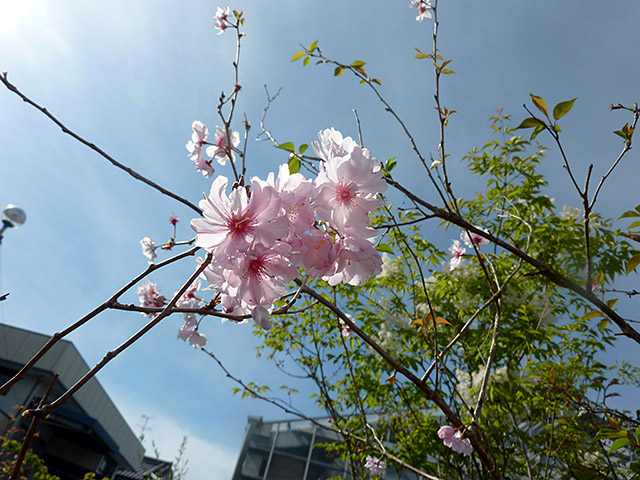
[297, 56]
[358, 64]
[619, 443]
[288, 146]
[629, 213]
[306, 60]
[375, 80]
[303, 148]
[540, 104]
[561, 109]
[633, 263]
[338, 71]
[313, 46]
[530, 123]
[383, 247]
[294, 164]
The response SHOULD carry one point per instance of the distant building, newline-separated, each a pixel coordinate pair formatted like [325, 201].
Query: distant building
[88, 433]
[290, 450]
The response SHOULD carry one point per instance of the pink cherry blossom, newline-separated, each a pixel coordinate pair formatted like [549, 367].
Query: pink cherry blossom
[191, 335]
[220, 19]
[457, 255]
[357, 261]
[377, 466]
[149, 296]
[345, 330]
[348, 183]
[173, 220]
[296, 194]
[221, 148]
[189, 298]
[470, 239]
[453, 439]
[232, 223]
[423, 6]
[194, 147]
[148, 248]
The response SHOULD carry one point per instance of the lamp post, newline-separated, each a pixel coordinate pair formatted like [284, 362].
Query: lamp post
[12, 217]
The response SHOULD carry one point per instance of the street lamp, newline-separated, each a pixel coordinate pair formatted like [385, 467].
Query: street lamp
[12, 217]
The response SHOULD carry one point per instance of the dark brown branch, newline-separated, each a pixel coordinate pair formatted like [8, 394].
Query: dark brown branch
[115, 163]
[541, 267]
[114, 353]
[31, 431]
[101, 308]
[398, 367]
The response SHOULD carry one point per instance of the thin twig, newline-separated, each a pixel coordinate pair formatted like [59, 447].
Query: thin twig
[31, 431]
[114, 353]
[56, 337]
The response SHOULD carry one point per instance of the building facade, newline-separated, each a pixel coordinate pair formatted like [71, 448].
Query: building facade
[88, 433]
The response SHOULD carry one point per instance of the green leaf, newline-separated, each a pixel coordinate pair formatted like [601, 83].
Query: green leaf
[288, 146]
[297, 56]
[536, 131]
[540, 104]
[306, 60]
[622, 134]
[629, 213]
[530, 123]
[556, 127]
[294, 164]
[383, 247]
[619, 443]
[602, 324]
[447, 71]
[561, 109]
[635, 224]
[358, 64]
[633, 263]
[375, 80]
[338, 71]
[313, 46]
[390, 164]
[303, 148]
[421, 55]
[591, 315]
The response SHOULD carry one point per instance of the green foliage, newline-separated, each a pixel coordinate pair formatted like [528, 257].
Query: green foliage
[545, 413]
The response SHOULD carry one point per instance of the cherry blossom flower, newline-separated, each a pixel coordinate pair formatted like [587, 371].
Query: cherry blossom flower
[173, 220]
[470, 239]
[194, 147]
[457, 255]
[377, 466]
[220, 19]
[345, 330]
[195, 338]
[148, 248]
[453, 439]
[232, 223]
[356, 263]
[220, 148]
[189, 298]
[348, 183]
[149, 296]
[423, 6]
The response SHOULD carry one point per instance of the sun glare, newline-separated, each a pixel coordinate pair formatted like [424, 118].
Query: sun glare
[13, 13]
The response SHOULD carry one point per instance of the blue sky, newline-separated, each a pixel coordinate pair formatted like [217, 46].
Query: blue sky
[132, 77]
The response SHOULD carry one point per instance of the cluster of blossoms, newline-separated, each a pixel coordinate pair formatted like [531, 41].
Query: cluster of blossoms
[149, 295]
[377, 466]
[453, 439]
[189, 331]
[457, 250]
[221, 149]
[423, 6]
[260, 235]
[220, 19]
